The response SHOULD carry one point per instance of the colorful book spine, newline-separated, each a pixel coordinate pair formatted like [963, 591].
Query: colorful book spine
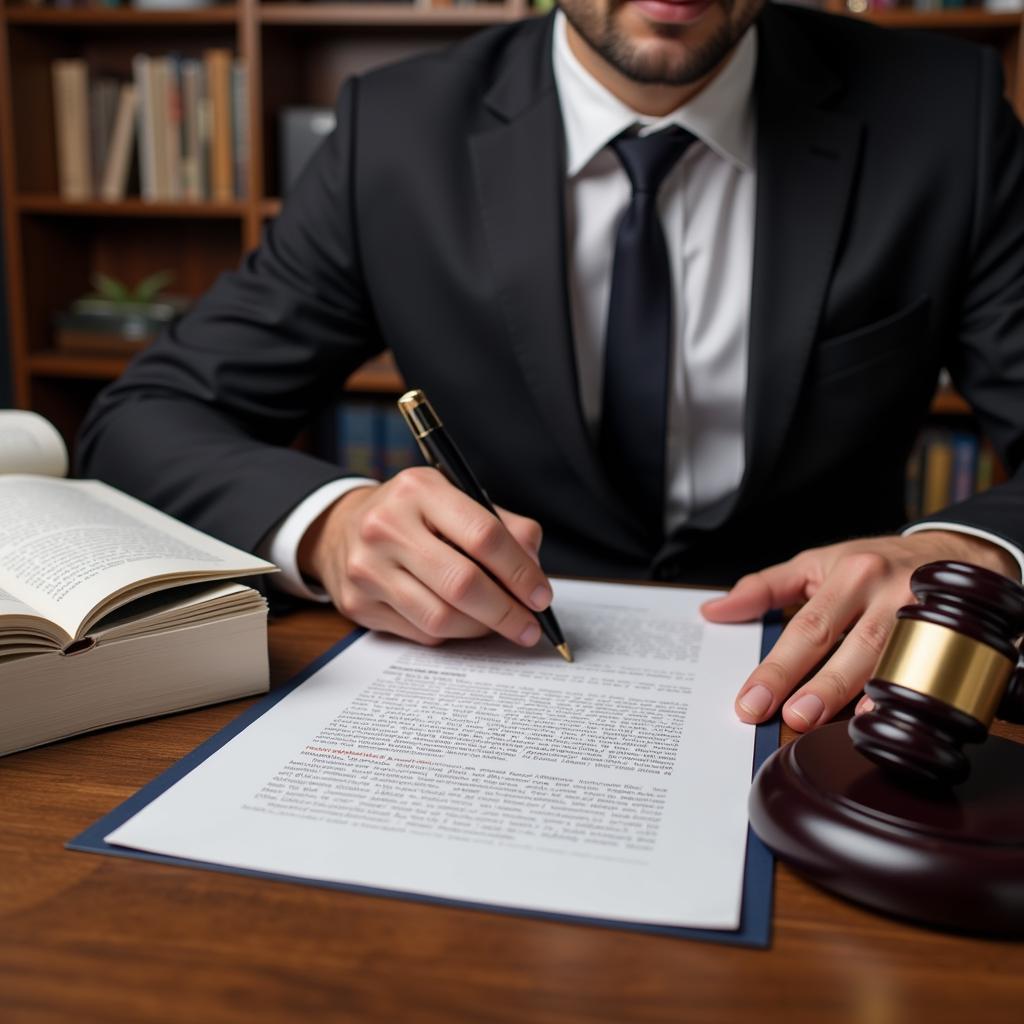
[218, 82]
[358, 440]
[965, 462]
[190, 129]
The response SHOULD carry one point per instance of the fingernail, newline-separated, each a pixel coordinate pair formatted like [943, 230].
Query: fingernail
[756, 701]
[530, 635]
[540, 598]
[864, 704]
[808, 707]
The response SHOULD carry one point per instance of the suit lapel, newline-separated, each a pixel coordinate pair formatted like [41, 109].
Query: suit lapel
[519, 168]
[807, 159]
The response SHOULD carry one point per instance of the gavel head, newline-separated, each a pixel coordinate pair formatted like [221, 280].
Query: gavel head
[950, 665]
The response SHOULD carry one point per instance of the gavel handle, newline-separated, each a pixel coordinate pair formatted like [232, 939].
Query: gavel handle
[1011, 707]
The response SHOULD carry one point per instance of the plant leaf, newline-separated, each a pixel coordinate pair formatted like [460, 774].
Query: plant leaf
[150, 287]
[110, 288]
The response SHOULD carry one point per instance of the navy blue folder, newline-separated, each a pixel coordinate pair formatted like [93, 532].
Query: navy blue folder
[755, 918]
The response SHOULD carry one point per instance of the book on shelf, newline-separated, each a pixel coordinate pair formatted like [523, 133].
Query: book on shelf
[117, 164]
[369, 438]
[183, 121]
[948, 466]
[71, 123]
[222, 164]
[110, 611]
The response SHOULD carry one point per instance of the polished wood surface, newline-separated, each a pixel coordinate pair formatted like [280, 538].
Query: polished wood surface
[92, 938]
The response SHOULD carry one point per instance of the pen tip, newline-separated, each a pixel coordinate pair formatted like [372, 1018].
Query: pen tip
[563, 650]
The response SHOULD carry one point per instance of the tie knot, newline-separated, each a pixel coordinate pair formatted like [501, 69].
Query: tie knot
[648, 158]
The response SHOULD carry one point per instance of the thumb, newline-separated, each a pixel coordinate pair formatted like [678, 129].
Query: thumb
[753, 595]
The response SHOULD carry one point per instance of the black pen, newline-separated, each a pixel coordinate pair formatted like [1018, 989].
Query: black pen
[440, 452]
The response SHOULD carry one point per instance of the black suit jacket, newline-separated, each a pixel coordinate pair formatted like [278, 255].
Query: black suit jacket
[889, 242]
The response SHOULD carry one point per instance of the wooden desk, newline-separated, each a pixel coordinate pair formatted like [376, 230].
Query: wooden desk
[89, 938]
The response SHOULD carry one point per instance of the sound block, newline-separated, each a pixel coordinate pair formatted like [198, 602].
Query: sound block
[951, 858]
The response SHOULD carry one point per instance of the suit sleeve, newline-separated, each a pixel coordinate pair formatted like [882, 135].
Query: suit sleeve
[199, 424]
[987, 358]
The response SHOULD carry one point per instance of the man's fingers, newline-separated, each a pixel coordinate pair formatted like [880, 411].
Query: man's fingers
[385, 619]
[468, 526]
[753, 595]
[844, 674]
[864, 705]
[429, 614]
[453, 585]
[527, 532]
[806, 640]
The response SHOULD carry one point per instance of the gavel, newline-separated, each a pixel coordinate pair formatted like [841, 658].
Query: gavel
[951, 665]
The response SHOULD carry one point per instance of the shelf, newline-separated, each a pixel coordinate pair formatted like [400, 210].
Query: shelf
[54, 206]
[377, 377]
[948, 403]
[376, 380]
[61, 364]
[116, 17]
[399, 15]
[966, 19]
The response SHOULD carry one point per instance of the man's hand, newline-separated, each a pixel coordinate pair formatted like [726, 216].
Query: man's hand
[853, 588]
[388, 557]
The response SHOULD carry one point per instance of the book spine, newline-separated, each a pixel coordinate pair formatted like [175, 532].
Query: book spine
[240, 123]
[357, 438]
[191, 86]
[119, 153]
[71, 116]
[103, 100]
[985, 475]
[965, 456]
[400, 448]
[173, 127]
[205, 124]
[938, 473]
[144, 125]
[218, 79]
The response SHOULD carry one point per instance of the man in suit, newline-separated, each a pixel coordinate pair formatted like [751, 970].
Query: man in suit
[845, 218]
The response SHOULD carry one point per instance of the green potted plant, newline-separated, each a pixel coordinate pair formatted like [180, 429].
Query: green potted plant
[115, 316]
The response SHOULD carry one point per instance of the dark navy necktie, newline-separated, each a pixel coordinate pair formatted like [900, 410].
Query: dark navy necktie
[638, 341]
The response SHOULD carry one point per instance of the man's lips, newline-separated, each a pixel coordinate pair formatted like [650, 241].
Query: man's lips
[673, 11]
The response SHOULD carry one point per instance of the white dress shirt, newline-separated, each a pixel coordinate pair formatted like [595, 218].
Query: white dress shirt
[707, 205]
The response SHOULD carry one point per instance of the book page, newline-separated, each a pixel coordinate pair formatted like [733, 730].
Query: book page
[614, 787]
[30, 444]
[76, 549]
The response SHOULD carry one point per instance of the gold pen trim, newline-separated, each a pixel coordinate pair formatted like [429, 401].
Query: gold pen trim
[419, 413]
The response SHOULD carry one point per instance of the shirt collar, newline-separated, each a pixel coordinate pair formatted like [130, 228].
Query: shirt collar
[721, 115]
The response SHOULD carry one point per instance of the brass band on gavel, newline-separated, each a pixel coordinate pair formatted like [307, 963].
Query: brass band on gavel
[949, 666]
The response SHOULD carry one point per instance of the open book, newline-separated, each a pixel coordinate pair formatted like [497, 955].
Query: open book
[110, 610]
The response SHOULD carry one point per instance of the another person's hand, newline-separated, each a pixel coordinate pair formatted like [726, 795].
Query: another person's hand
[391, 558]
[854, 588]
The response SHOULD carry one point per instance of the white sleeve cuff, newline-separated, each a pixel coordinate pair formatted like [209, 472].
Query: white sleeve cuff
[281, 545]
[972, 531]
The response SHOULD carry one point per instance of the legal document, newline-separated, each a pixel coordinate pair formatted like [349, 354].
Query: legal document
[614, 787]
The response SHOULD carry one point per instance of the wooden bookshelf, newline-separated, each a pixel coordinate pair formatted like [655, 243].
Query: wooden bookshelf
[297, 53]
[54, 247]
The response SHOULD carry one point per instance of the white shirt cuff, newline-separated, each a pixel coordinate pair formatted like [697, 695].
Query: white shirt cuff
[972, 531]
[281, 545]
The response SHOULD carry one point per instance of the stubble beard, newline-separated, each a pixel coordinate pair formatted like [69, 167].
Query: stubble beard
[654, 66]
